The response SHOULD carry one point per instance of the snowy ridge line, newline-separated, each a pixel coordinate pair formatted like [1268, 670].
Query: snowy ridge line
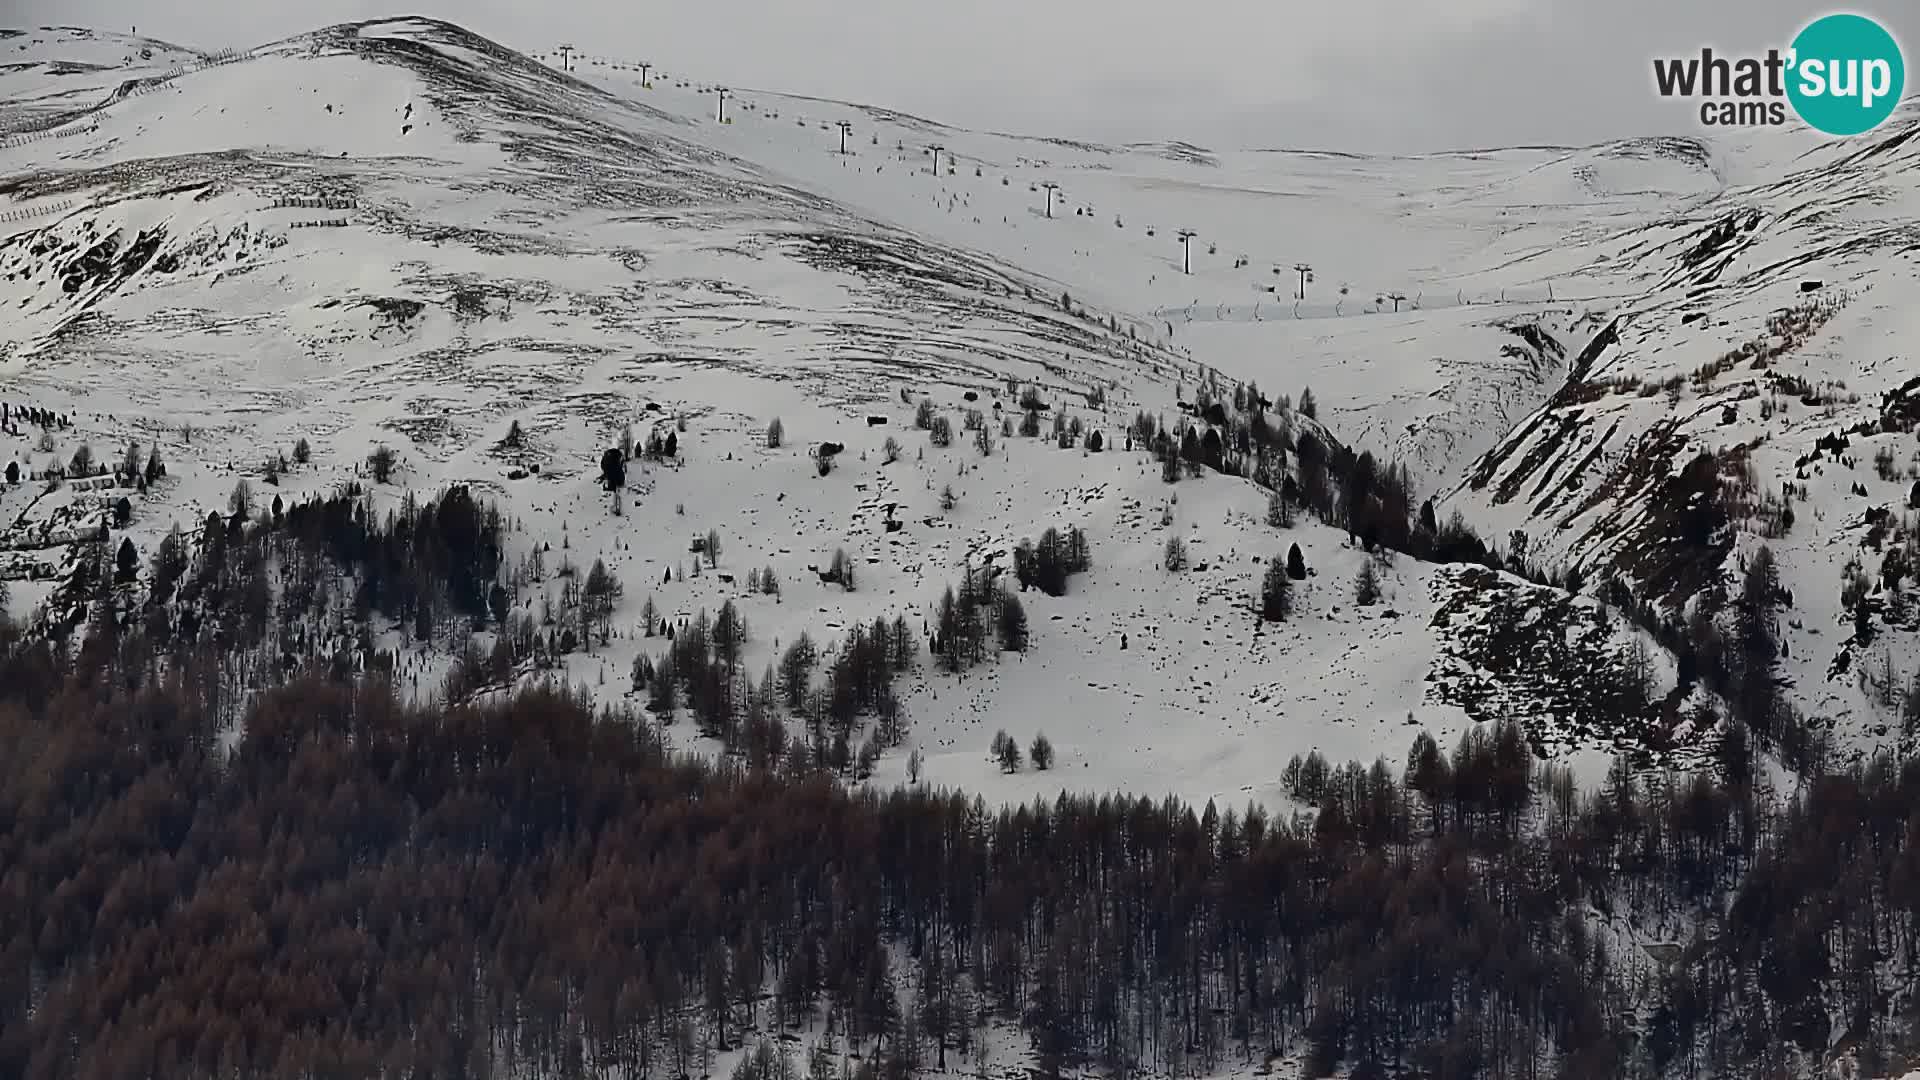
[165, 80]
[132, 88]
[212, 60]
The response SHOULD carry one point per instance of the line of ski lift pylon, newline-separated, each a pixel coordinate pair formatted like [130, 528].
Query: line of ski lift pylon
[1185, 236]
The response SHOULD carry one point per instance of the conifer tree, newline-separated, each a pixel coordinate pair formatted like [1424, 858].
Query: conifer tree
[1011, 623]
[1041, 752]
[127, 562]
[1276, 593]
[1366, 585]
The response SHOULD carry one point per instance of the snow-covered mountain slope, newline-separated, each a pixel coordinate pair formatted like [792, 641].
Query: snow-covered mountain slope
[1772, 326]
[55, 74]
[1472, 243]
[398, 233]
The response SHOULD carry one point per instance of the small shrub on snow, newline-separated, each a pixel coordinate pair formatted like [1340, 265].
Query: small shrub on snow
[381, 463]
[1175, 556]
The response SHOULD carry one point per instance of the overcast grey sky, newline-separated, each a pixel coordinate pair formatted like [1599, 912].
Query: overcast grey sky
[1371, 75]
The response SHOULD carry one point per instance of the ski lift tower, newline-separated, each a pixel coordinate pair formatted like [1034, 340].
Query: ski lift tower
[566, 57]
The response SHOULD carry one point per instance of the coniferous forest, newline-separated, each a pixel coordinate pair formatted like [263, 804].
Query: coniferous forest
[316, 879]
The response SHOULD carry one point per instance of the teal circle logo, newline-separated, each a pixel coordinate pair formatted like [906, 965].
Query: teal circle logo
[1845, 74]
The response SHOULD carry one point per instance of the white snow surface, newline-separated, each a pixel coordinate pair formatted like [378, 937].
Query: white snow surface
[586, 252]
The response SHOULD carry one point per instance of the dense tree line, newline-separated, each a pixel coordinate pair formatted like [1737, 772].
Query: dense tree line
[443, 555]
[700, 673]
[244, 600]
[1289, 453]
[525, 887]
